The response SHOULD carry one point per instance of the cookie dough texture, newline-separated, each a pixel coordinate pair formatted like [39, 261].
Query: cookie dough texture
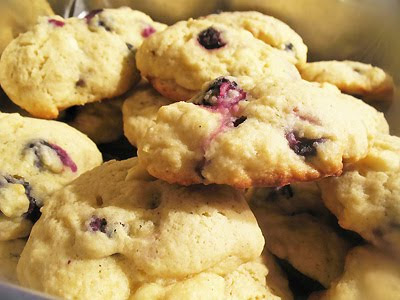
[258, 138]
[351, 77]
[64, 62]
[369, 274]
[299, 229]
[267, 29]
[38, 158]
[177, 64]
[10, 252]
[365, 198]
[116, 232]
[140, 112]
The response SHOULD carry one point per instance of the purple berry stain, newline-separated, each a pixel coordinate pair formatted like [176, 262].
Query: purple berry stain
[56, 23]
[91, 15]
[210, 38]
[148, 31]
[303, 146]
[98, 224]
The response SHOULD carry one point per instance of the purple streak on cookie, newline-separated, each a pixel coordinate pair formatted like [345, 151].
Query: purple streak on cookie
[91, 15]
[303, 146]
[56, 23]
[306, 117]
[33, 214]
[210, 38]
[148, 31]
[98, 224]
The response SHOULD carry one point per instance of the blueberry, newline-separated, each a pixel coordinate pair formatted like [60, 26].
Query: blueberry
[303, 146]
[103, 24]
[289, 47]
[56, 23]
[91, 14]
[98, 224]
[148, 31]
[239, 121]
[210, 38]
[130, 46]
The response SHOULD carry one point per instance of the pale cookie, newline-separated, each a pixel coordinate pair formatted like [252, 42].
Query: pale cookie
[64, 62]
[140, 112]
[135, 230]
[38, 158]
[270, 133]
[369, 275]
[351, 77]
[180, 59]
[267, 29]
[299, 229]
[10, 252]
[366, 198]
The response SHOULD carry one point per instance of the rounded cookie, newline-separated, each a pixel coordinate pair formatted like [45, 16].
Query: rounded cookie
[38, 158]
[268, 29]
[135, 230]
[351, 77]
[270, 133]
[298, 228]
[64, 62]
[180, 59]
[366, 197]
[10, 252]
[140, 111]
[369, 274]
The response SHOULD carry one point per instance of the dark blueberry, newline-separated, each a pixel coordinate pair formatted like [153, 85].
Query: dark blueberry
[210, 38]
[239, 121]
[80, 83]
[33, 214]
[155, 201]
[148, 31]
[37, 148]
[91, 14]
[289, 47]
[102, 24]
[303, 146]
[98, 224]
[129, 46]
[56, 23]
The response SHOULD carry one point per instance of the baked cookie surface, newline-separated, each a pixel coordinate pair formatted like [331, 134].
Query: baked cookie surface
[38, 158]
[10, 252]
[136, 231]
[365, 198]
[266, 133]
[351, 77]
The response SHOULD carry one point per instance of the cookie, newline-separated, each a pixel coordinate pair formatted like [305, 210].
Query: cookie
[267, 29]
[64, 62]
[365, 198]
[299, 229]
[351, 77]
[10, 252]
[135, 230]
[100, 121]
[38, 158]
[140, 111]
[369, 274]
[268, 133]
[180, 59]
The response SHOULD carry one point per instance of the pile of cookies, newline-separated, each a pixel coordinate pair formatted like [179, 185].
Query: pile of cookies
[234, 131]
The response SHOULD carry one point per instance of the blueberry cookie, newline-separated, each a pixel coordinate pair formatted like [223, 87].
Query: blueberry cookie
[64, 62]
[299, 229]
[136, 231]
[140, 111]
[10, 252]
[369, 275]
[366, 198]
[267, 29]
[269, 133]
[38, 158]
[351, 77]
[180, 59]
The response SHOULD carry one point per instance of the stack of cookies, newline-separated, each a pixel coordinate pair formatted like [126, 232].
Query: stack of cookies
[234, 129]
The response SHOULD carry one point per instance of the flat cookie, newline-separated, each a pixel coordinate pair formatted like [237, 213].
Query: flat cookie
[351, 77]
[64, 62]
[135, 230]
[369, 275]
[366, 198]
[270, 133]
[299, 229]
[38, 158]
[180, 59]
[10, 252]
[267, 29]
[140, 112]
